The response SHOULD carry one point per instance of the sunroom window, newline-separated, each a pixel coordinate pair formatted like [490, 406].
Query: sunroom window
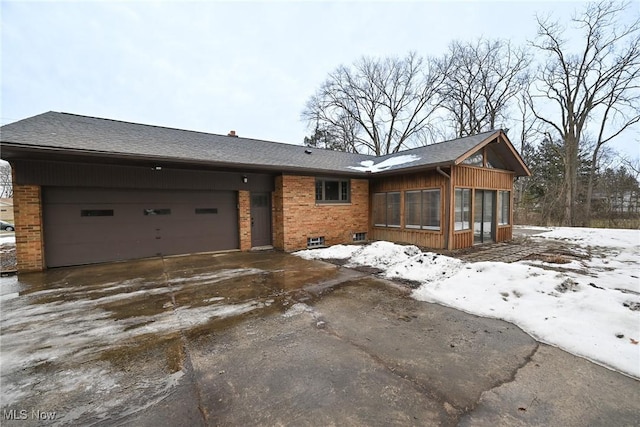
[386, 209]
[462, 208]
[422, 209]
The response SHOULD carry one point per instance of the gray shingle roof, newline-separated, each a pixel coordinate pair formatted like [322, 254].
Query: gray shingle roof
[70, 133]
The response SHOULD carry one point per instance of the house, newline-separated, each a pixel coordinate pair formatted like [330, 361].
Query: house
[90, 190]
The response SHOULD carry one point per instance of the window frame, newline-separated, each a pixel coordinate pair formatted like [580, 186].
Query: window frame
[387, 208]
[421, 211]
[462, 210]
[316, 242]
[501, 212]
[342, 183]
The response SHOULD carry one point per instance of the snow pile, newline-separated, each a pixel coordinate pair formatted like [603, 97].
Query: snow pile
[9, 239]
[590, 307]
[371, 166]
[395, 261]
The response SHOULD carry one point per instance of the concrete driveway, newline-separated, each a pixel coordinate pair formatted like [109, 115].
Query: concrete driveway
[271, 339]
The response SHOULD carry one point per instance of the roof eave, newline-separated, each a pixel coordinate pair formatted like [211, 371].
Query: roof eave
[21, 152]
[524, 170]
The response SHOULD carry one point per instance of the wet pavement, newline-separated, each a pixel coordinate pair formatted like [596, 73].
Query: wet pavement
[271, 339]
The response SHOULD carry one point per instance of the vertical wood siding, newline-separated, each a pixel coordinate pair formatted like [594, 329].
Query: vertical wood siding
[473, 177]
[485, 179]
[408, 182]
[462, 239]
[504, 233]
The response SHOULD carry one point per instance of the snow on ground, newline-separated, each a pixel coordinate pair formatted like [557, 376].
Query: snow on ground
[7, 238]
[590, 308]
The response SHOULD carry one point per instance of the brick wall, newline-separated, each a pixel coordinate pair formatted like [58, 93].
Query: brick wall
[244, 219]
[27, 206]
[297, 216]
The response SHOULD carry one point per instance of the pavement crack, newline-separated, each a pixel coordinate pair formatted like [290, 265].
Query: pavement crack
[512, 377]
[452, 412]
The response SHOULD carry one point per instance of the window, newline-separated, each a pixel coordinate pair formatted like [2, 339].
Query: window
[476, 159]
[485, 157]
[204, 211]
[462, 211]
[386, 209]
[332, 190]
[157, 211]
[314, 242]
[360, 237]
[380, 209]
[422, 209]
[493, 159]
[96, 212]
[504, 205]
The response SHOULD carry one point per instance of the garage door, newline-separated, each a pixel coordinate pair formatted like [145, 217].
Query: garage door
[84, 226]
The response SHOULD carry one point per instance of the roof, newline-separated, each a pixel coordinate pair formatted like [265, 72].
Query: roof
[71, 134]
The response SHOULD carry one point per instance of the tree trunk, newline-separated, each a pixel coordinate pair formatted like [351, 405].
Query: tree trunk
[570, 179]
[592, 173]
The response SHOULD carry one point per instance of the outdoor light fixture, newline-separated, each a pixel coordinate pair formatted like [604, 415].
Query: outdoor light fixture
[244, 179]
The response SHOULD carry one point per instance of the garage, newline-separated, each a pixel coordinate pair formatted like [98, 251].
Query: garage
[90, 225]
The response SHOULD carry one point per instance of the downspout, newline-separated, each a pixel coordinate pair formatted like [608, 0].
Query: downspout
[447, 207]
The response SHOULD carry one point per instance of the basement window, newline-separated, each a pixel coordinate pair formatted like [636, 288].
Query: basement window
[315, 242]
[96, 212]
[360, 237]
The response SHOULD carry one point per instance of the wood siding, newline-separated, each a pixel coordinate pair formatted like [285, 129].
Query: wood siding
[461, 177]
[477, 178]
[401, 183]
[462, 239]
[490, 179]
[504, 232]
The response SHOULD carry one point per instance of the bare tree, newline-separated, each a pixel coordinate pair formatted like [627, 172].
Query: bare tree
[529, 130]
[598, 86]
[6, 183]
[377, 106]
[482, 81]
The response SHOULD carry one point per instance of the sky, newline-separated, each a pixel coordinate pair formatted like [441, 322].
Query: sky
[587, 306]
[217, 66]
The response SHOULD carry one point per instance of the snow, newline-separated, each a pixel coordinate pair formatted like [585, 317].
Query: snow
[610, 238]
[7, 238]
[371, 166]
[590, 307]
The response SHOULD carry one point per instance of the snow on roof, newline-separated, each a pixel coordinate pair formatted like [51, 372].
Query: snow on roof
[373, 167]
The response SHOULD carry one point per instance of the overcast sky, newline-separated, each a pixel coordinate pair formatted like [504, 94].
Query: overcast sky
[218, 66]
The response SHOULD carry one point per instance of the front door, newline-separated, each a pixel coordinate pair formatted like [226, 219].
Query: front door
[484, 208]
[260, 219]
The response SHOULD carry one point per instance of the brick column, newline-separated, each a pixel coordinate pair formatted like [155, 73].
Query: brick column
[27, 206]
[244, 219]
[278, 214]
